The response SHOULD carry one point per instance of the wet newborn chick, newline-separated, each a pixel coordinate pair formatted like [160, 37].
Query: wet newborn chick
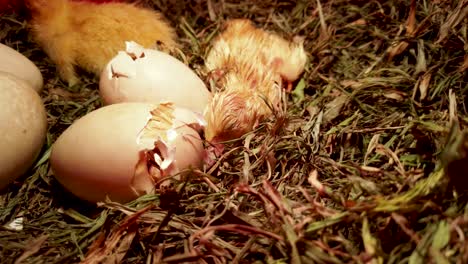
[89, 35]
[251, 65]
[251, 93]
[286, 58]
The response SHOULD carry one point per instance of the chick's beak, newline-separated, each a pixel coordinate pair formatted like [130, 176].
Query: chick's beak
[209, 134]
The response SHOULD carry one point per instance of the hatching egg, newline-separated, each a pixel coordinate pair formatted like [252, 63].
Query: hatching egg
[149, 75]
[13, 62]
[23, 126]
[124, 150]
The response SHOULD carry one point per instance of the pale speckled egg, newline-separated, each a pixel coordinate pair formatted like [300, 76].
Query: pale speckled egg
[13, 62]
[123, 150]
[148, 75]
[23, 126]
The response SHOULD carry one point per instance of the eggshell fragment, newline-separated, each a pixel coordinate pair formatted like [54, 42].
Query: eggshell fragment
[123, 150]
[19, 65]
[23, 127]
[148, 75]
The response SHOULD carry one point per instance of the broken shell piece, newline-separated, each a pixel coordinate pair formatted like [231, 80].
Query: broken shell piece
[149, 75]
[134, 48]
[124, 150]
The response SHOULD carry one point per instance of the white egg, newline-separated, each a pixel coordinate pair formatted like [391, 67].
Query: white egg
[23, 126]
[13, 62]
[123, 150]
[148, 75]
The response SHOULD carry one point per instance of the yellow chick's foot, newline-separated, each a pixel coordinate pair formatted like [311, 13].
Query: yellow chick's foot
[72, 81]
[289, 87]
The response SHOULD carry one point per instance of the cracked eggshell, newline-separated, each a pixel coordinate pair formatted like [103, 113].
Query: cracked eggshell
[148, 75]
[123, 150]
[13, 62]
[23, 126]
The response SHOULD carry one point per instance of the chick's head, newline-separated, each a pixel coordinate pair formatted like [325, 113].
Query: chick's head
[236, 111]
[227, 117]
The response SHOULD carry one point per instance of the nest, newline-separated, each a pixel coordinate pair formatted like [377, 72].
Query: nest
[366, 164]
